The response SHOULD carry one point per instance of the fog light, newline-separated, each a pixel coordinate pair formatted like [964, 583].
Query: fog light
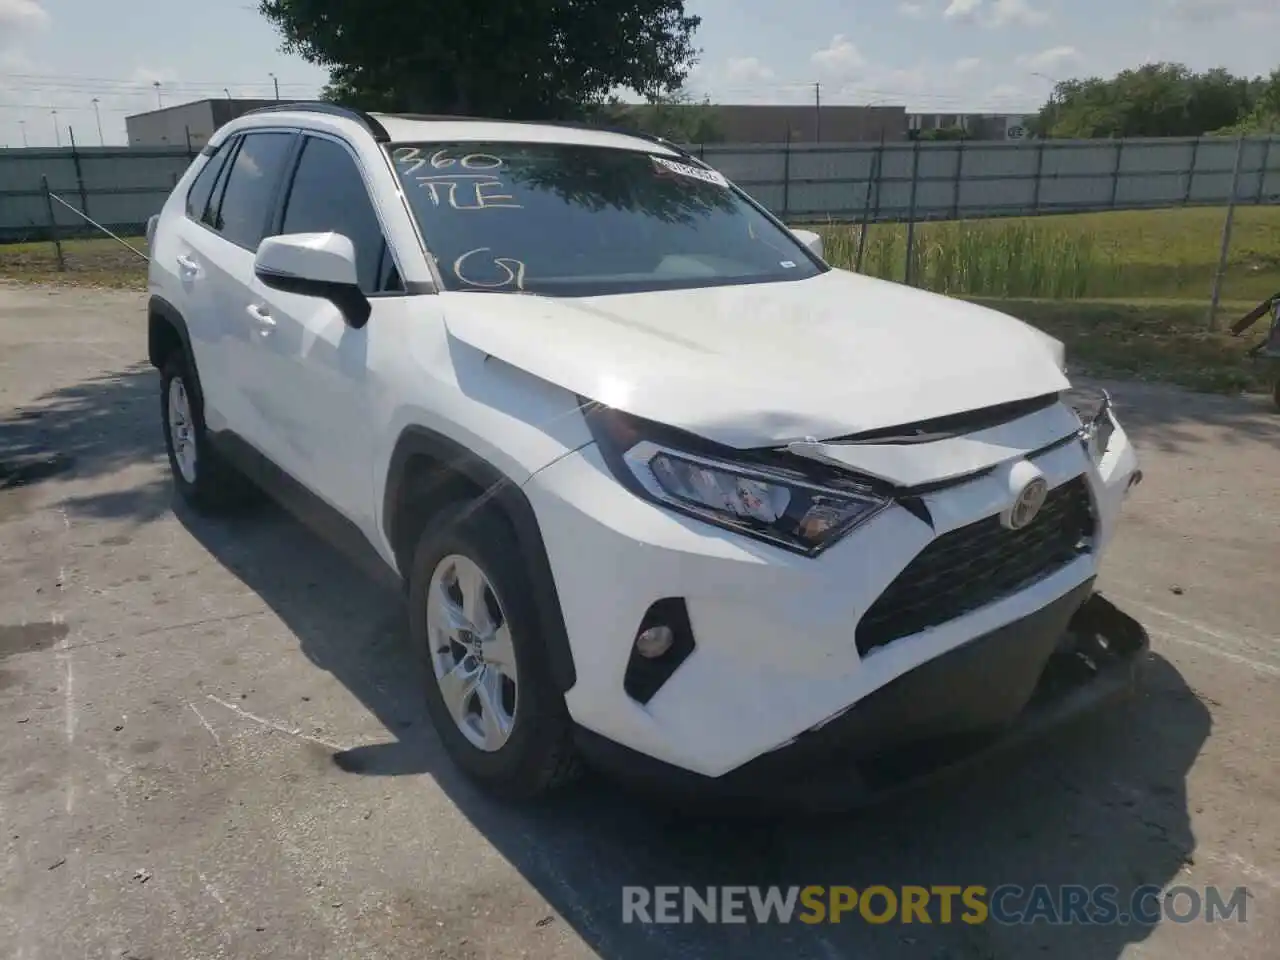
[663, 642]
[654, 642]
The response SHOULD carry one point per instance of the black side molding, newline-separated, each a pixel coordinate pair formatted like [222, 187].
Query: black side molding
[506, 497]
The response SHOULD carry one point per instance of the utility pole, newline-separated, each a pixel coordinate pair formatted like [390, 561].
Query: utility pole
[276, 81]
[156, 84]
[98, 117]
[57, 134]
[817, 111]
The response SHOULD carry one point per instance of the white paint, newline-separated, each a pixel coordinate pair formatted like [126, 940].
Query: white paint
[329, 257]
[1218, 634]
[212, 890]
[1239, 864]
[205, 723]
[758, 363]
[68, 681]
[275, 724]
[1232, 640]
[1239, 658]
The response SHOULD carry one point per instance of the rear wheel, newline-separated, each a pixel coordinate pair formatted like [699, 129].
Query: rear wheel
[202, 476]
[487, 686]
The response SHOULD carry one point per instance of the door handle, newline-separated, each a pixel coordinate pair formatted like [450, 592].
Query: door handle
[188, 266]
[261, 317]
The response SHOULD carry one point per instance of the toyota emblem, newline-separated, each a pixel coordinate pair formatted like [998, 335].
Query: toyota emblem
[1028, 503]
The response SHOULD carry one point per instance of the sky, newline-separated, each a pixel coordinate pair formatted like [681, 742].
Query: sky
[932, 56]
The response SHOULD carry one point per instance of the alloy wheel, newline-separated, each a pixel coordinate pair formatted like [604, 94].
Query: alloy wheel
[472, 655]
[181, 430]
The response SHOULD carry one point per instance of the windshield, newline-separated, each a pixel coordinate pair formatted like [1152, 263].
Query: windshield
[570, 220]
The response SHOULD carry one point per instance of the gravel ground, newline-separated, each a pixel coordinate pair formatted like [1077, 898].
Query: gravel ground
[173, 692]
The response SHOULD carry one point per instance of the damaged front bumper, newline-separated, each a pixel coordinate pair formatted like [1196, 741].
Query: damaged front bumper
[997, 691]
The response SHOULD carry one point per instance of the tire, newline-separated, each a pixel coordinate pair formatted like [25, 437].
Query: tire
[537, 756]
[201, 475]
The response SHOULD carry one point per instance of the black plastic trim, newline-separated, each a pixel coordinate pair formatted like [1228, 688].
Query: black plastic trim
[310, 509]
[510, 500]
[160, 310]
[978, 564]
[347, 297]
[328, 109]
[951, 425]
[644, 677]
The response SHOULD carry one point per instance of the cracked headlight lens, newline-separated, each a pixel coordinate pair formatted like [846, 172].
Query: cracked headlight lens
[776, 506]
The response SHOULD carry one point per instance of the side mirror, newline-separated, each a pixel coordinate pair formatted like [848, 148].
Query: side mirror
[314, 265]
[811, 240]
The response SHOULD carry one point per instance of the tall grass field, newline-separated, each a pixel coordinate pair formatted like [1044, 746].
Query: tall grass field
[1161, 254]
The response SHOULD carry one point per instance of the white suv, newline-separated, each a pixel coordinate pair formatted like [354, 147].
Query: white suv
[664, 490]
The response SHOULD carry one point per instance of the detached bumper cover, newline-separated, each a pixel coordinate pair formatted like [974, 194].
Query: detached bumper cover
[996, 691]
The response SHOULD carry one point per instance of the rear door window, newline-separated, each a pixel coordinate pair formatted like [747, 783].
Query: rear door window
[202, 189]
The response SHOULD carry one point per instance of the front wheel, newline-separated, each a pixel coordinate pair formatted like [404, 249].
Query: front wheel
[488, 690]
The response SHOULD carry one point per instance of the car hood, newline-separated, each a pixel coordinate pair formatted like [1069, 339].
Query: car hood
[760, 364]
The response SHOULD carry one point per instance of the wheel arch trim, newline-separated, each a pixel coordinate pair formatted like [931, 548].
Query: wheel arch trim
[504, 495]
[161, 311]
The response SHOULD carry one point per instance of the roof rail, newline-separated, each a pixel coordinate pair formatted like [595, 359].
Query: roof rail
[443, 116]
[571, 124]
[654, 138]
[330, 109]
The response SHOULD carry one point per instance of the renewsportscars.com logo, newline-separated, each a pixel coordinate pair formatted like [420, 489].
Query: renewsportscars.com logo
[1007, 904]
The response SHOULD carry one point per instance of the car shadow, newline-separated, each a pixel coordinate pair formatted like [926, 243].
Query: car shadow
[1175, 420]
[1101, 803]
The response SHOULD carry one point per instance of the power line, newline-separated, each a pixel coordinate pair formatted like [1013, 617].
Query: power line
[75, 80]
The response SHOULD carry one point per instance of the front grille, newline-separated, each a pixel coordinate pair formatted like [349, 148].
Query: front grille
[979, 564]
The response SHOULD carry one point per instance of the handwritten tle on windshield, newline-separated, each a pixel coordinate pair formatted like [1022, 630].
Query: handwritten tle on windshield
[470, 178]
[470, 183]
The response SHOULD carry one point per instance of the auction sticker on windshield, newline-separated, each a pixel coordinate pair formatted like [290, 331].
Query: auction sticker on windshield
[685, 170]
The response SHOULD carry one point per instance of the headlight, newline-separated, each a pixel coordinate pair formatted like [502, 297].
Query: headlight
[1093, 407]
[767, 503]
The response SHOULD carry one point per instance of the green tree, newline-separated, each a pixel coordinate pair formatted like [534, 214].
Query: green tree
[517, 59]
[1156, 100]
[1264, 117]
